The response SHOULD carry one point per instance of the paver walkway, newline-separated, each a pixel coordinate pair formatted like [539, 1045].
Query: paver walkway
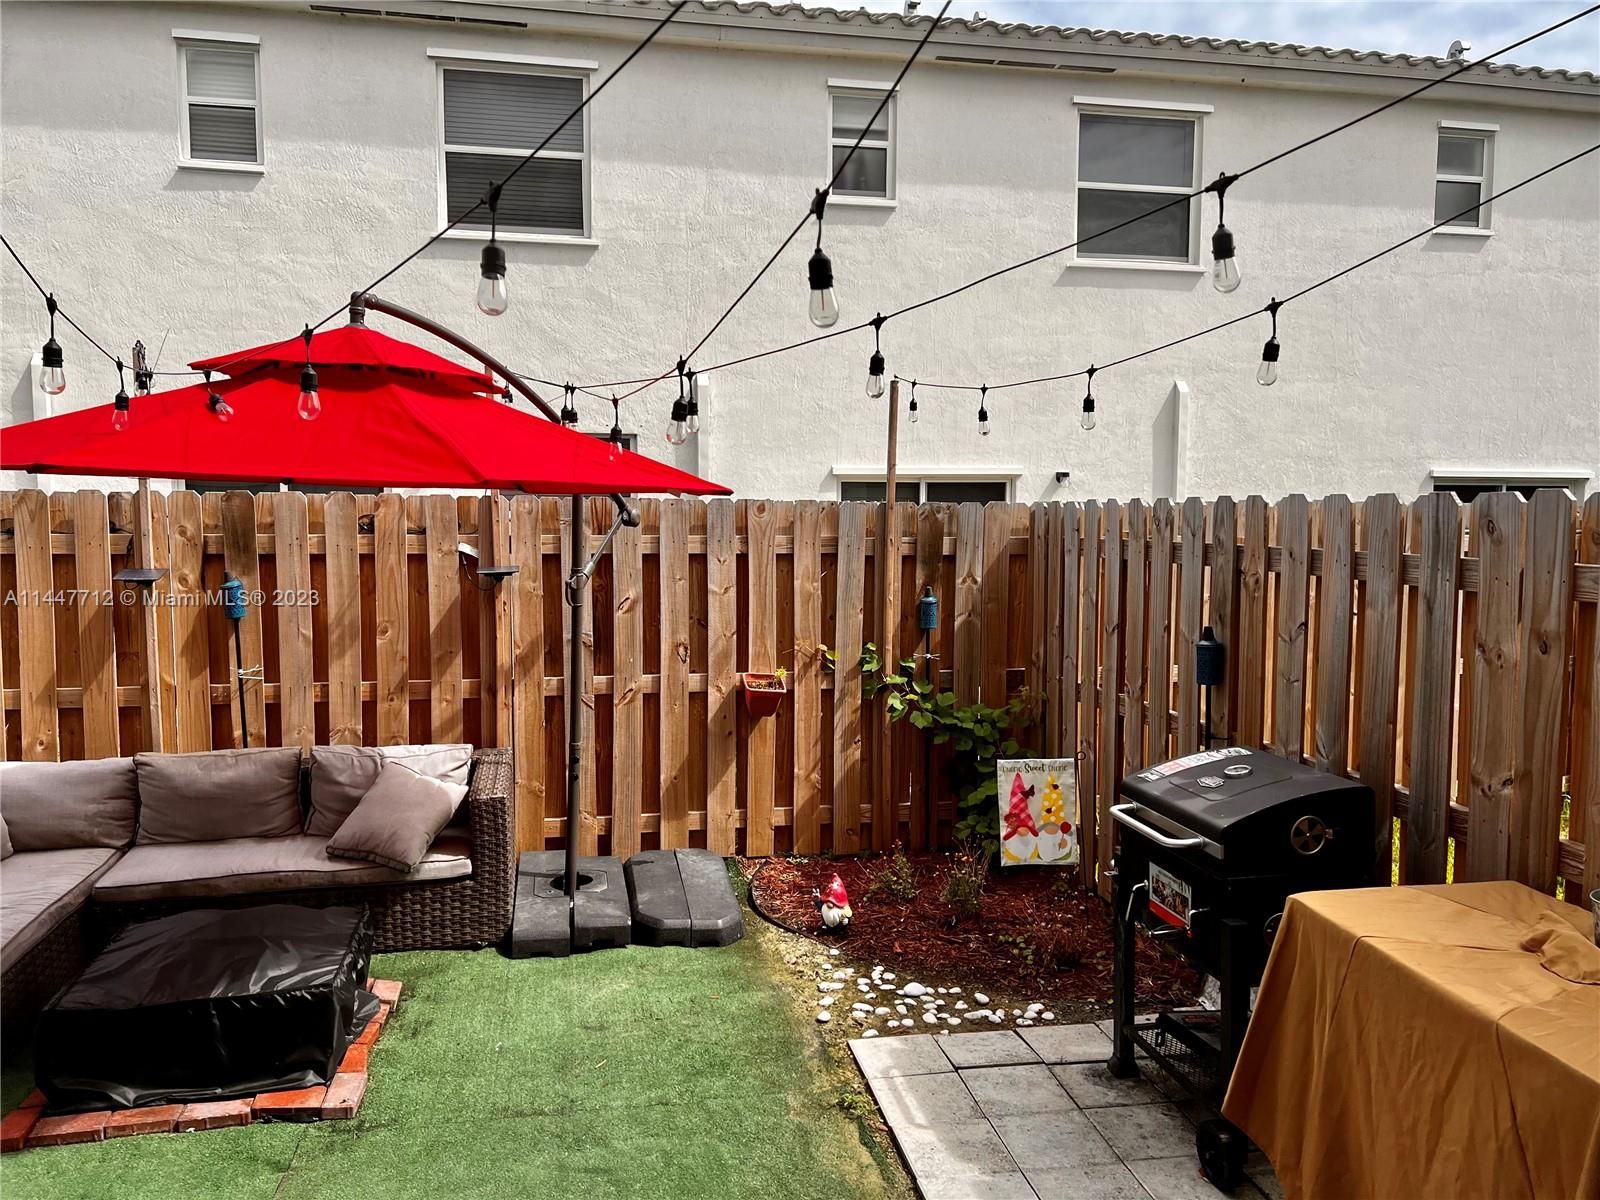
[1033, 1114]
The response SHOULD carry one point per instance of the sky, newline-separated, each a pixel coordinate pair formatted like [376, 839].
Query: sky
[1411, 26]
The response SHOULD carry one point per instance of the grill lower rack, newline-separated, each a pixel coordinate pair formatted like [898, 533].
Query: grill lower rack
[1187, 1044]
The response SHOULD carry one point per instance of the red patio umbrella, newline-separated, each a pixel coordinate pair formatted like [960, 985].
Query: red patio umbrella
[392, 415]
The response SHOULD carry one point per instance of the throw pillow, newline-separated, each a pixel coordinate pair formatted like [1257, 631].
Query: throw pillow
[67, 805]
[397, 819]
[218, 794]
[342, 775]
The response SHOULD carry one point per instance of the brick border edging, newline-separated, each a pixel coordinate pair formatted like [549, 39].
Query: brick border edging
[26, 1126]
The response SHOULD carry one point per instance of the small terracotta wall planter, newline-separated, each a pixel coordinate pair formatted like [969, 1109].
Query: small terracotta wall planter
[763, 693]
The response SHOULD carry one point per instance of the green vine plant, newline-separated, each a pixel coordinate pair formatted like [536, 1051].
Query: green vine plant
[978, 734]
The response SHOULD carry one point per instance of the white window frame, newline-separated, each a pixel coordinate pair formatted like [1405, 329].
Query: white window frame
[516, 64]
[187, 39]
[1485, 134]
[922, 476]
[862, 89]
[1167, 111]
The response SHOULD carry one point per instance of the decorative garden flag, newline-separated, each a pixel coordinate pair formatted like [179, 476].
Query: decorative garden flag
[1038, 811]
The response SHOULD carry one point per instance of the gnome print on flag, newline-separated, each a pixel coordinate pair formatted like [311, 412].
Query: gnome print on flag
[1038, 811]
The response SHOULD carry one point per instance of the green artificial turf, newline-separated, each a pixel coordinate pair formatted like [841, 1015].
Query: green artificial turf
[638, 1072]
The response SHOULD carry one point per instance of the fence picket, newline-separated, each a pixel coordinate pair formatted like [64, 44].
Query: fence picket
[674, 561]
[1251, 676]
[190, 627]
[807, 677]
[722, 679]
[1432, 687]
[1334, 596]
[1289, 648]
[1224, 610]
[850, 570]
[240, 558]
[627, 692]
[296, 713]
[1089, 694]
[1158, 674]
[97, 660]
[761, 623]
[968, 616]
[1133, 632]
[1191, 603]
[1109, 758]
[1497, 531]
[1585, 822]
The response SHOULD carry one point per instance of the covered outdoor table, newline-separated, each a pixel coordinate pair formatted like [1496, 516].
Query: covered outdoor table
[1426, 1042]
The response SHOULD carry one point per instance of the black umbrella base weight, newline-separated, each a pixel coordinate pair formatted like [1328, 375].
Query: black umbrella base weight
[661, 898]
[545, 924]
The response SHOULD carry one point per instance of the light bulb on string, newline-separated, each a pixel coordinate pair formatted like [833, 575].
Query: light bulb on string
[492, 298]
[983, 411]
[569, 406]
[615, 437]
[216, 403]
[1267, 372]
[692, 424]
[53, 377]
[143, 376]
[678, 423]
[1087, 420]
[120, 407]
[1224, 265]
[819, 271]
[875, 363]
[310, 404]
[912, 408]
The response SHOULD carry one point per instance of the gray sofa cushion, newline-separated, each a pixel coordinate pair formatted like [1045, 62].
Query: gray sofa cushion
[397, 819]
[341, 775]
[41, 888]
[69, 805]
[242, 866]
[218, 794]
[6, 849]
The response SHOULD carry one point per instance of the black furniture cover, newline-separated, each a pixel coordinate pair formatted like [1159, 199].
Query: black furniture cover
[209, 1004]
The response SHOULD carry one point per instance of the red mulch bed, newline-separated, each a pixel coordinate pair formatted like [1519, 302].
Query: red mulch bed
[1067, 929]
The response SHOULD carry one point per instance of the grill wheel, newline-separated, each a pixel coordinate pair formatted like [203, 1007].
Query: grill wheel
[1221, 1149]
[1309, 835]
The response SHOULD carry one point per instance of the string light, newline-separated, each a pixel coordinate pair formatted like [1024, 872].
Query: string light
[983, 411]
[120, 406]
[913, 407]
[53, 378]
[678, 425]
[616, 429]
[819, 271]
[1224, 266]
[492, 298]
[216, 403]
[310, 406]
[693, 422]
[1087, 420]
[1267, 372]
[875, 363]
[569, 406]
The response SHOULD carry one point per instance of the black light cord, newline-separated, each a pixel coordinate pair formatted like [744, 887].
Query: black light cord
[1269, 309]
[494, 188]
[1185, 198]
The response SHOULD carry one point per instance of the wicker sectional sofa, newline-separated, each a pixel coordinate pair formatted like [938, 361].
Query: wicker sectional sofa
[80, 869]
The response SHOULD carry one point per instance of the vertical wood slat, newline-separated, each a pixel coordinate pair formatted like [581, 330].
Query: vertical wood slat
[527, 664]
[497, 695]
[1382, 535]
[1433, 688]
[1251, 659]
[885, 789]
[1039, 623]
[761, 617]
[807, 698]
[850, 573]
[159, 714]
[241, 561]
[1089, 692]
[1334, 592]
[97, 660]
[191, 637]
[1223, 609]
[674, 708]
[1158, 637]
[165, 634]
[1546, 615]
[995, 619]
[447, 721]
[1585, 825]
[1110, 758]
[968, 619]
[627, 695]
[343, 604]
[391, 615]
[296, 713]
[1497, 530]
[930, 574]
[1071, 558]
[1053, 689]
[1289, 657]
[1191, 601]
[36, 635]
[1133, 631]
[722, 677]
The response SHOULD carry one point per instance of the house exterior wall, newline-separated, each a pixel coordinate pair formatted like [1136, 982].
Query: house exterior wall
[1457, 354]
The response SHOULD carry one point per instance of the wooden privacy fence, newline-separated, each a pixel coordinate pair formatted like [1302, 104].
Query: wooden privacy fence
[1446, 655]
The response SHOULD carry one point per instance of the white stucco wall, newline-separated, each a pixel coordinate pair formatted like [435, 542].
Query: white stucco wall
[1457, 353]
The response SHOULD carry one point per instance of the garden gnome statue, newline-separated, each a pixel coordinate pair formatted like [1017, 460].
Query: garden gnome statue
[834, 905]
[1020, 841]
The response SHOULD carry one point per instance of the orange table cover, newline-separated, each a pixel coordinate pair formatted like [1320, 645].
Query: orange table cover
[1406, 1046]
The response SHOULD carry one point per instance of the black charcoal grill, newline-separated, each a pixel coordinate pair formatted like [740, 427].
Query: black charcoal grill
[1209, 847]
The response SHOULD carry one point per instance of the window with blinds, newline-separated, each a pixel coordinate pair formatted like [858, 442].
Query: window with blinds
[221, 104]
[1130, 166]
[492, 119]
[870, 170]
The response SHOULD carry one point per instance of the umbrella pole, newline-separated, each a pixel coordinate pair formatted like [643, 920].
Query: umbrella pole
[575, 588]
